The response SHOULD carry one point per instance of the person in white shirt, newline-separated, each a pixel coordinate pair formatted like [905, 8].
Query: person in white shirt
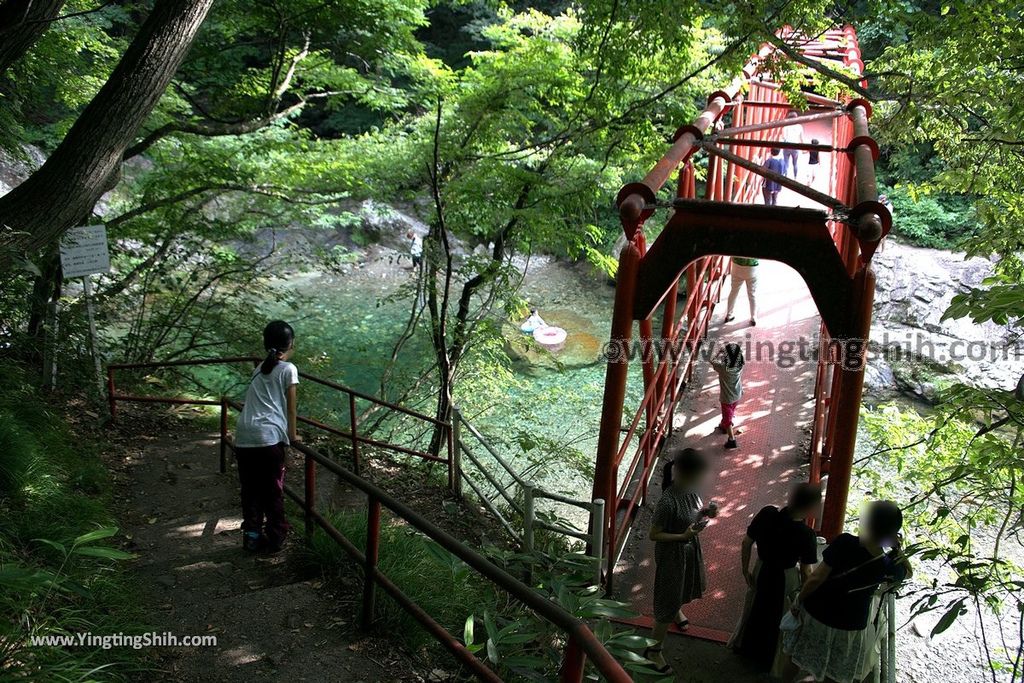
[792, 133]
[534, 322]
[265, 427]
[415, 248]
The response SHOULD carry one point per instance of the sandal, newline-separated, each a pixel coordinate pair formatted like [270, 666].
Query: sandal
[660, 669]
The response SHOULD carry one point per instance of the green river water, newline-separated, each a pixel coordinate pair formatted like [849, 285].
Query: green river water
[540, 409]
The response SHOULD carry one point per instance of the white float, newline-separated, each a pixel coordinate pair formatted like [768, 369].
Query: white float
[550, 337]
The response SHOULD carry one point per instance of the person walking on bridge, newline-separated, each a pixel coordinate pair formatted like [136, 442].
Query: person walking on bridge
[793, 133]
[783, 541]
[728, 363]
[680, 576]
[771, 187]
[265, 427]
[743, 272]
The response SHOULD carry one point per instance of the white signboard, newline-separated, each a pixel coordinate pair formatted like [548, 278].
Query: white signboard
[83, 251]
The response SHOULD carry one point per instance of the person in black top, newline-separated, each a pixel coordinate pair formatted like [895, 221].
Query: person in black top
[813, 161]
[834, 606]
[783, 539]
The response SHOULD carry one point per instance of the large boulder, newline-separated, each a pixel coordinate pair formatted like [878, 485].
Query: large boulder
[914, 351]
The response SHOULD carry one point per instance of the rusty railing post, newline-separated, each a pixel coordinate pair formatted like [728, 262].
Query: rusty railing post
[309, 493]
[352, 428]
[111, 394]
[372, 555]
[573, 662]
[223, 434]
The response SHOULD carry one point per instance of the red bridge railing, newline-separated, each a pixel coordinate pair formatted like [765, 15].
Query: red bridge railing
[580, 642]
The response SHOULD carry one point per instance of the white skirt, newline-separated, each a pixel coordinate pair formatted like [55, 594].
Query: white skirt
[826, 652]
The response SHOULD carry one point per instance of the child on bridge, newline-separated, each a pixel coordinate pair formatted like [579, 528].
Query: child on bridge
[728, 363]
[265, 427]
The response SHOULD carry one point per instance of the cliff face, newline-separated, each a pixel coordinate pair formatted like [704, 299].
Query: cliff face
[14, 168]
[914, 351]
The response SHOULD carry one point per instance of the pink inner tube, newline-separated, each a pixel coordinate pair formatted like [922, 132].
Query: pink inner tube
[549, 336]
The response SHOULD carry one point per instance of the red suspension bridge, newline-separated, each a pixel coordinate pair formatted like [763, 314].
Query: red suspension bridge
[826, 230]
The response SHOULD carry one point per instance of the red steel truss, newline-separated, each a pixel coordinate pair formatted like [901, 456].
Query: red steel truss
[830, 248]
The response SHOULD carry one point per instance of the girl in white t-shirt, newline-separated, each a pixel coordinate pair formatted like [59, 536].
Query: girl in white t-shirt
[265, 427]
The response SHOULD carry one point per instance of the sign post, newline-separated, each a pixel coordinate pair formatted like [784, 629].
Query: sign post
[83, 252]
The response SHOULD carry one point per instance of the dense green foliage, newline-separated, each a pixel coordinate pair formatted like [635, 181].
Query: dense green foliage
[58, 576]
[958, 473]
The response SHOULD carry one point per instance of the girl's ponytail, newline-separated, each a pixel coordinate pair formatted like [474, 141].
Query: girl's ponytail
[270, 362]
[278, 337]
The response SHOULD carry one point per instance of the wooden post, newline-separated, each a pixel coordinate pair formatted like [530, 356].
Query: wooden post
[223, 434]
[528, 513]
[111, 394]
[87, 286]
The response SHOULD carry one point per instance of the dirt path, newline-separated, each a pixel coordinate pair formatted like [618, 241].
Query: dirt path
[272, 619]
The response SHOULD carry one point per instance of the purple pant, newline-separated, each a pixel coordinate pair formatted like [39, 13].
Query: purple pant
[261, 473]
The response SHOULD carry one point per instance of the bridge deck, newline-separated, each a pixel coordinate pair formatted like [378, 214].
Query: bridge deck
[774, 415]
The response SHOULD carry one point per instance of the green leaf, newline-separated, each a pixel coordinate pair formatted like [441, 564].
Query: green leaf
[492, 629]
[467, 631]
[631, 640]
[104, 552]
[53, 544]
[602, 609]
[96, 535]
[524, 662]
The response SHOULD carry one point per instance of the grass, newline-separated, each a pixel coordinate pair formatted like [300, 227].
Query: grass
[444, 587]
[518, 644]
[58, 573]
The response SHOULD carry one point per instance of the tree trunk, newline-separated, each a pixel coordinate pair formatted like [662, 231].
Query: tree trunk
[46, 289]
[21, 24]
[87, 162]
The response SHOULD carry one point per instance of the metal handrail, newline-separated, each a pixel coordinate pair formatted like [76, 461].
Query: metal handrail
[356, 439]
[582, 645]
[594, 539]
[660, 399]
[457, 415]
[885, 671]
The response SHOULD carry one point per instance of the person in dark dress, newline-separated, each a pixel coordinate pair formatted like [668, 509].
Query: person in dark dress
[783, 540]
[679, 575]
[834, 605]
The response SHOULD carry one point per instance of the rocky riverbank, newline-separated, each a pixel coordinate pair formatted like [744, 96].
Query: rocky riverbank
[913, 350]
